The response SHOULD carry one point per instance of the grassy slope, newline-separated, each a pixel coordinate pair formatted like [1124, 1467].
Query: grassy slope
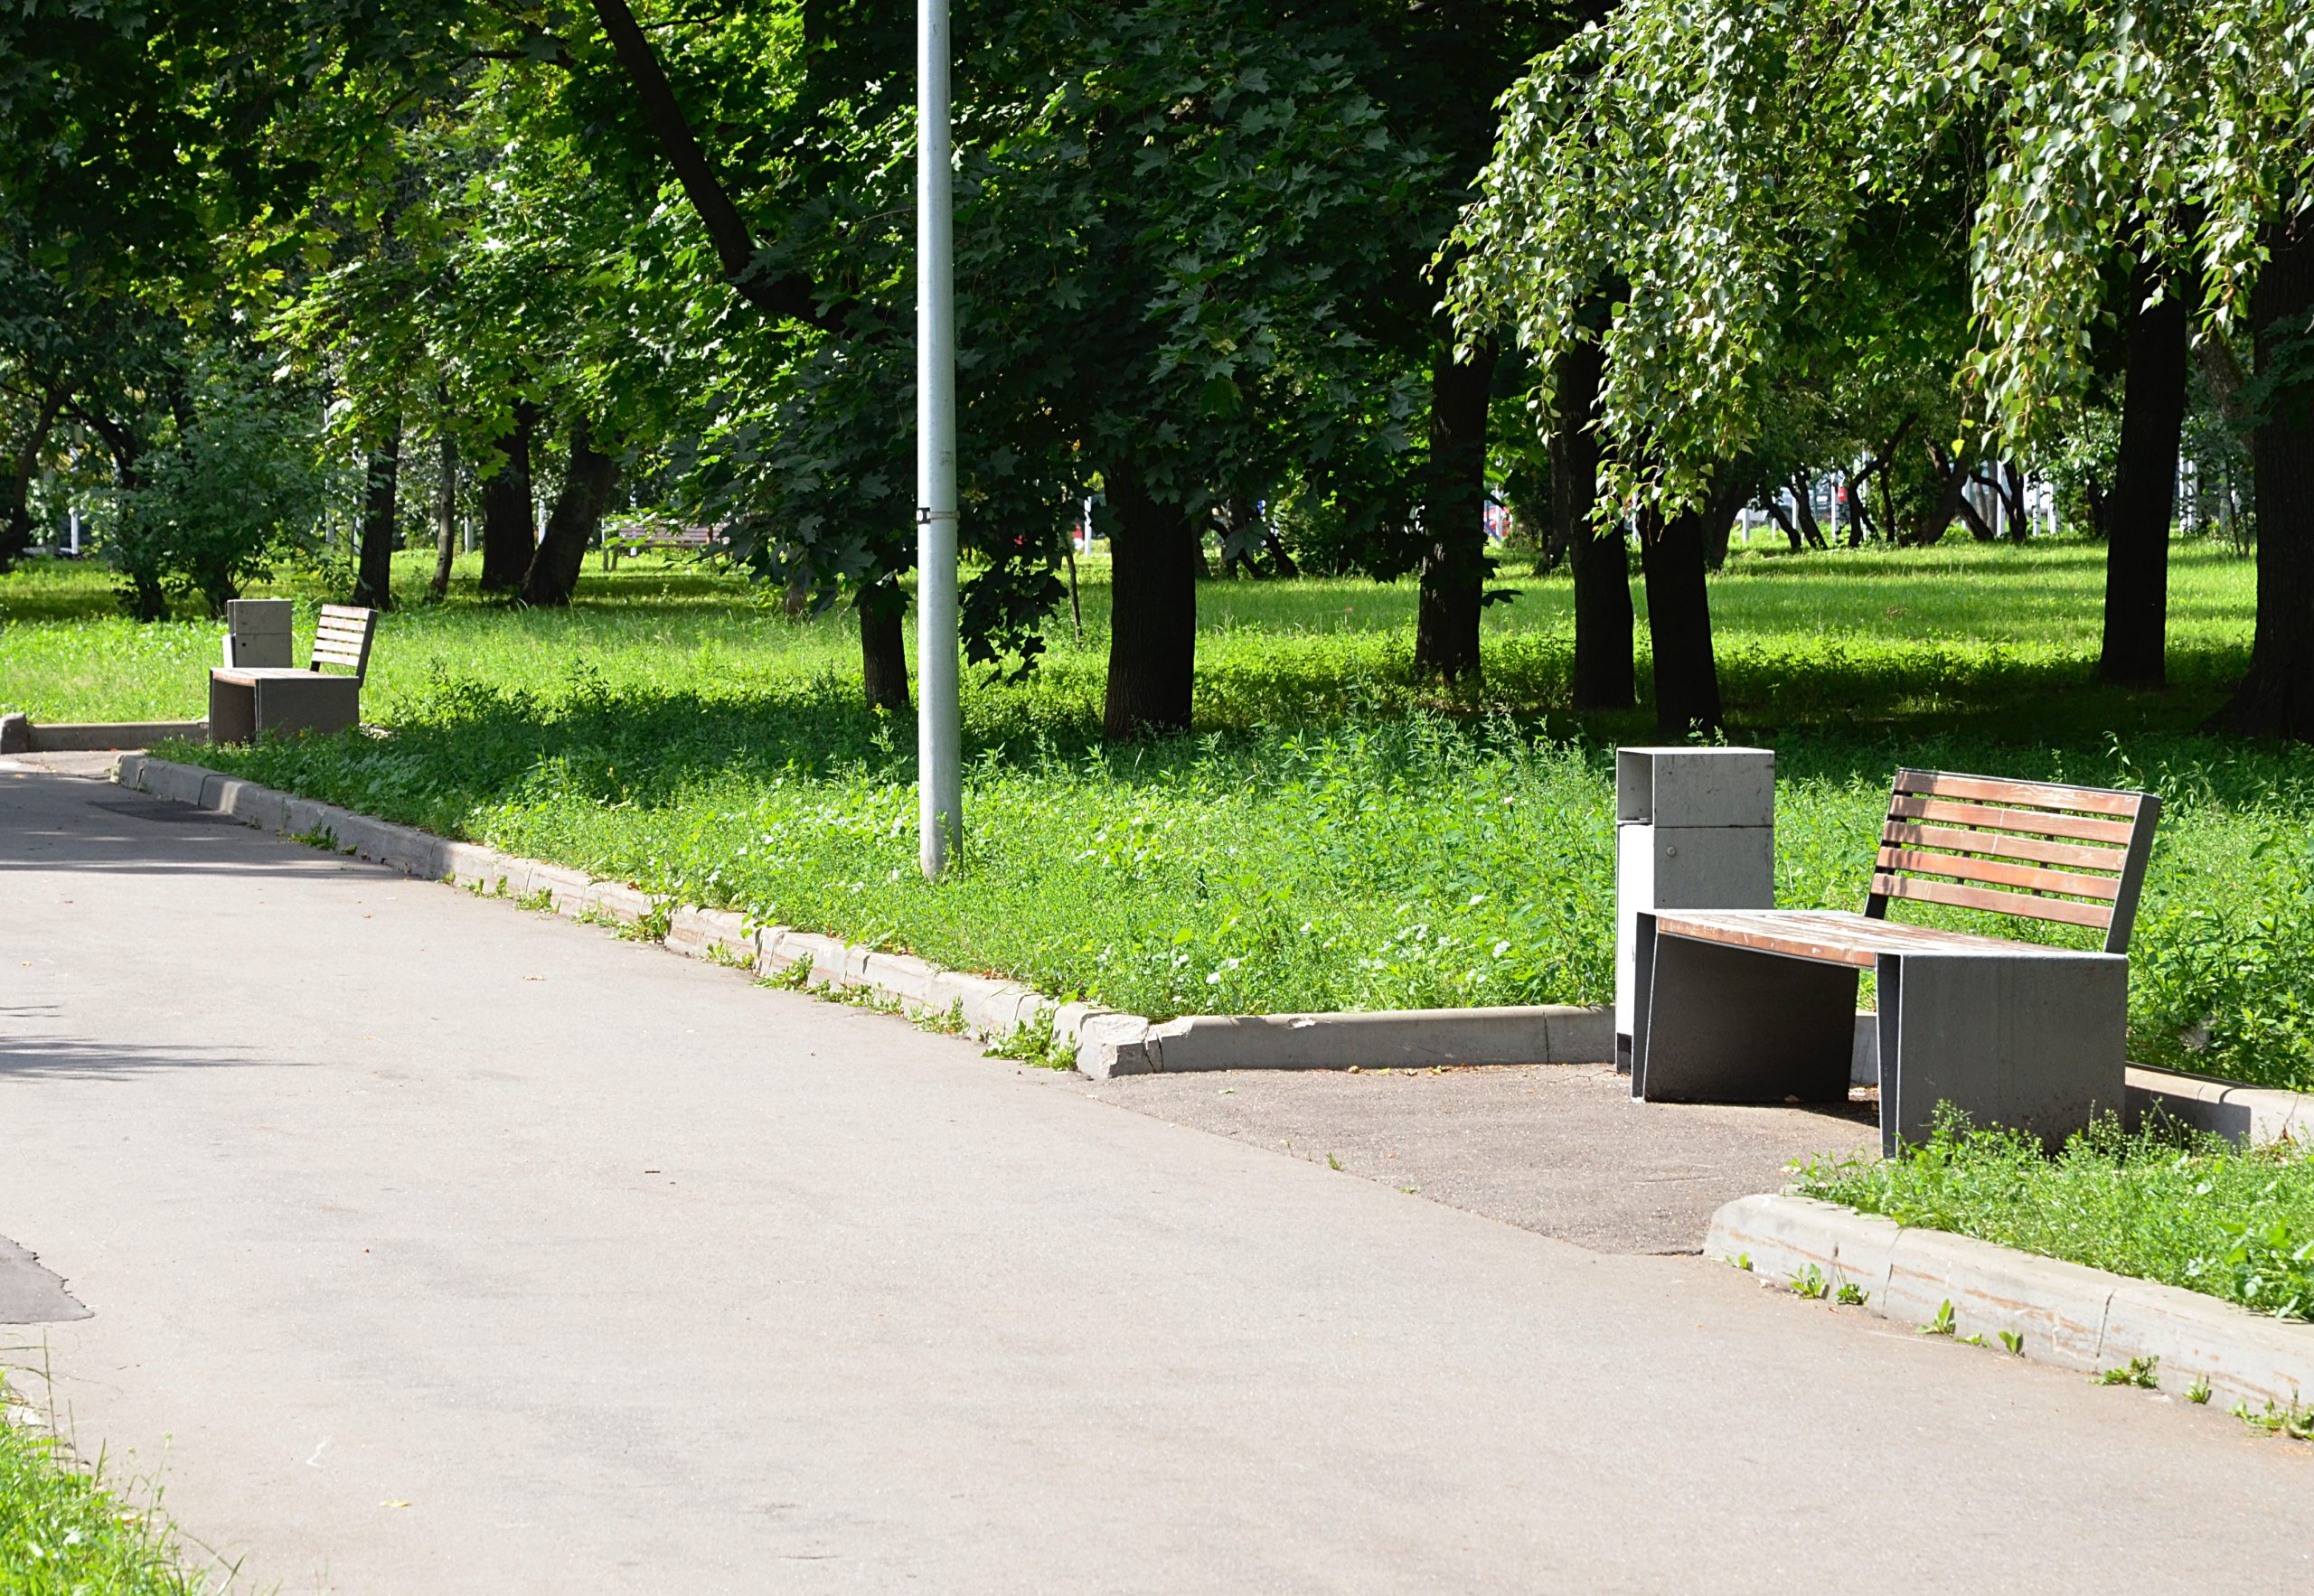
[1334, 838]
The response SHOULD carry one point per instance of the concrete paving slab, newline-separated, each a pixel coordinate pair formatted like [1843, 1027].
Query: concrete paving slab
[433, 1246]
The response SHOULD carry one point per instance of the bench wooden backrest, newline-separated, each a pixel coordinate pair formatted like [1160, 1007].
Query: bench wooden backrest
[342, 638]
[2039, 850]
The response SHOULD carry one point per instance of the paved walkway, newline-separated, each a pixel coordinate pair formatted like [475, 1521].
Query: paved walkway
[433, 1246]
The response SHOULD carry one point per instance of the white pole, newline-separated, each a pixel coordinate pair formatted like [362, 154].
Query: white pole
[940, 792]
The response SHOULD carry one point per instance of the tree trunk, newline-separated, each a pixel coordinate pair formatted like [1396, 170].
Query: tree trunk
[509, 537]
[1281, 563]
[2145, 487]
[573, 524]
[1604, 677]
[445, 515]
[373, 572]
[1803, 503]
[2276, 699]
[1678, 623]
[1454, 563]
[883, 646]
[15, 514]
[1152, 625]
[1774, 502]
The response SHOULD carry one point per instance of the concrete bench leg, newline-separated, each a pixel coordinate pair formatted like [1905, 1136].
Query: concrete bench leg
[232, 712]
[1724, 1024]
[2036, 1041]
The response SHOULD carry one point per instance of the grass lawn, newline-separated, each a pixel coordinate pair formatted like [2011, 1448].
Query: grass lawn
[2188, 1211]
[63, 1535]
[1334, 836]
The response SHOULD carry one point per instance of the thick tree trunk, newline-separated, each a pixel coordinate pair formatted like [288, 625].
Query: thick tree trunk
[1152, 625]
[1454, 563]
[2276, 699]
[1679, 623]
[508, 536]
[446, 516]
[2145, 488]
[373, 571]
[883, 646]
[574, 522]
[1604, 677]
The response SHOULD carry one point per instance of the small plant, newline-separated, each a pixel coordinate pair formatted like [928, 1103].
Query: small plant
[1034, 1043]
[793, 978]
[2295, 1422]
[539, 902]
[2199, 1391]
[1809, 1282]
[1332, 1162]
[729, 957]
[321, 837]
[654, 926]
[2013, 1342]
[1742, 1261]
[1943, 1324]
[2138, 1371]
[947, 1022]
[1851, 1295]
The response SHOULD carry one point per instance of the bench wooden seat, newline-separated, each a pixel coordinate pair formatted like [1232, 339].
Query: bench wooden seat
[246, 702]
[1756, 1004]
[697, 540]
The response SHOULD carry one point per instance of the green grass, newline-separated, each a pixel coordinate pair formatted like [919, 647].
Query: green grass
[64, 1534]
[2162, 1205]
[1336, 836]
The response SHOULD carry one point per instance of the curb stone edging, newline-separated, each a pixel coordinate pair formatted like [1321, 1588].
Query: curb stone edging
[1105, 1042]
[2068, 1315]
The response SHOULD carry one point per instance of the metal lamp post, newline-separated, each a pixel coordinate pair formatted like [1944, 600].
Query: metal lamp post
[940, 795]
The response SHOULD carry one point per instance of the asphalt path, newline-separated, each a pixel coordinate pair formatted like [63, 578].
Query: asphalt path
[430, 1245]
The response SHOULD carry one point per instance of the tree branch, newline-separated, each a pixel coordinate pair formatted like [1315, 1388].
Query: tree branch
[735, 247]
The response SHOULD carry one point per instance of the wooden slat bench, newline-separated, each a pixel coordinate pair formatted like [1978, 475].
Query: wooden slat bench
[1758, 1005]
[700, 540]
[247, 702]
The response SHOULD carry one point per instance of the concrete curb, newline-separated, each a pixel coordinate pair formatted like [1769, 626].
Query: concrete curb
[1105, 1042]
[2068, 1315]
[19, 734]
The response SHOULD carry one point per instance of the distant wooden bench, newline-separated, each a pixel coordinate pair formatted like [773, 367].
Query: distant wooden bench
[246, 702]
[663, 540]
[1758, 1005]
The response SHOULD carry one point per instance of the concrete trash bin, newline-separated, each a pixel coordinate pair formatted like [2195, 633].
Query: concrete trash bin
[1695, 829]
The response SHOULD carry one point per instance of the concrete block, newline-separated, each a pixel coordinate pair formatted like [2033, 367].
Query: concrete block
[179, 783]
[1110, 1044]
[514, 876]
[700, 934]
[851, 962]
[469, 864]
[900, 975]
[409, 850]
[2245, 1357]
[260, 617]
[565, 887]
[15, 735]
[100, 736]
[1002, 1010]
[265, 807]
[2058, 1308]
[1685, 786]
[1069, 1018]
[823, 954]
[130, 772]
[1579, 1034]
[620, 901]
[1784, 1235]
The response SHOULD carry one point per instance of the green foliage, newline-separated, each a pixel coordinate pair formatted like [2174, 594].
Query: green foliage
[2141, 1372]
[226, 499]
[2181, 1209]
[62, 1533]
